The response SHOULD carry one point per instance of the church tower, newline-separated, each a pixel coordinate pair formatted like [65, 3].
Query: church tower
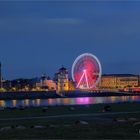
[62, 80]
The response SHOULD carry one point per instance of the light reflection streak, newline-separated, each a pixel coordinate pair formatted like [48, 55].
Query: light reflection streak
[37, 102]
[26, 102]
[84, 100]
[68, 101]
[2, 103]
[14, 103]
[33, 102]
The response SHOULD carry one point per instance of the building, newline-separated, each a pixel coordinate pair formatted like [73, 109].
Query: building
[45, 83]
[119, 81]
[72, 85]
[62, 80]
[51, 84]
[21, 84]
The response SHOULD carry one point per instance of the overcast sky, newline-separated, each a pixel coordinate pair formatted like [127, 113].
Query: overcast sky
[39, 37]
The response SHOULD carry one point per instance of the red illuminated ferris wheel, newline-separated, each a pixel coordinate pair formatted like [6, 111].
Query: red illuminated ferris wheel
[86, 71]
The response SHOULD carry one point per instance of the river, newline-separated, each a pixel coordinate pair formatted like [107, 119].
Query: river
[68, 101]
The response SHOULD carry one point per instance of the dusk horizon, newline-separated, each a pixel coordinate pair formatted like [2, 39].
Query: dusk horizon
[40, 37]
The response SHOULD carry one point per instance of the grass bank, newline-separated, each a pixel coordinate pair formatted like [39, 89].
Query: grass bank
[101, 125]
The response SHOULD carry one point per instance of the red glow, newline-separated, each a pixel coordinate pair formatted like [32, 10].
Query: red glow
[86, 72]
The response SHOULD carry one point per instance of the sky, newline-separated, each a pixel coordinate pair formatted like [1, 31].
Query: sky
[39, 37]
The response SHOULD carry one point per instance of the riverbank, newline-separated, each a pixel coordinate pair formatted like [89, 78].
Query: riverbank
[19, 112]
[53, 94]
[72, 122]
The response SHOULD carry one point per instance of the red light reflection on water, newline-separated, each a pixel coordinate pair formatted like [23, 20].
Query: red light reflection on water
[50, 101]
[84, 100]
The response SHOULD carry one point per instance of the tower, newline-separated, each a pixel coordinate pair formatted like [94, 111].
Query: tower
[42, 80]
[63, 80]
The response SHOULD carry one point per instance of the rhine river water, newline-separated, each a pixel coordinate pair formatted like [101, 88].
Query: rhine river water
[68, 101]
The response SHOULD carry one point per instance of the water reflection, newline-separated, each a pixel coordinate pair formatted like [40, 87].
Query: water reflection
[68, 101]
[2, 103]
[85, 100]
[33, 102]
[37, 101]
[50, 101]
[14, 103]
[26, 102]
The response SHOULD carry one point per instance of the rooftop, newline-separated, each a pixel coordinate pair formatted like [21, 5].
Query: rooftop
[62, 68]
[120, 75]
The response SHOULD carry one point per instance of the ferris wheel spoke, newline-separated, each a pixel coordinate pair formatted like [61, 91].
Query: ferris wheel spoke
[80, 80]
[86, 78]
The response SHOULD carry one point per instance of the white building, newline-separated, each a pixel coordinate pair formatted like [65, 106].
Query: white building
[62, 80]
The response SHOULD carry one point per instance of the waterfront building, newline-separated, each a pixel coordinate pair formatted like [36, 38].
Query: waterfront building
[42, 81]
[7, 85]
[45, 83]
[20, 84]
[72, 85]
[62, 80]
[119, 81]
[51, 84]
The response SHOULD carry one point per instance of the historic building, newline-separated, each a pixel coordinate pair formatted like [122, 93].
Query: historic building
[45, 83]
[72, 85]
[119, 81]
[62, 80]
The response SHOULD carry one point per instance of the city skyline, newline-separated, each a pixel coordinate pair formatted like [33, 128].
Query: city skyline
[40, 37]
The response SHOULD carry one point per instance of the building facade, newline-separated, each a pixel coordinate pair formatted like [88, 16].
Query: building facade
[45, 83]
[72, 85]
[119, 81]
[62, 80]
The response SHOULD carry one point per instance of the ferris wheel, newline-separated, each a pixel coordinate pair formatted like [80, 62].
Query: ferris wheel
[86, 71]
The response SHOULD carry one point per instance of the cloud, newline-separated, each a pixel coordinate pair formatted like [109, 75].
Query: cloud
[72, 21]
[36, 21]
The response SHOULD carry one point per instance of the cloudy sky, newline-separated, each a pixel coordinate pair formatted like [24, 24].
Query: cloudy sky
[39, 37]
